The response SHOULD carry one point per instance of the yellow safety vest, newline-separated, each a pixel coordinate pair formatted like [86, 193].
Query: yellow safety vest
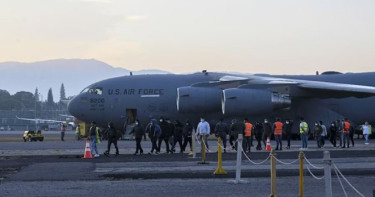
[304, 128]
[97, 135]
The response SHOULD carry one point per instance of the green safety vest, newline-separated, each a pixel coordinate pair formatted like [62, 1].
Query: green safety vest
[304, 128]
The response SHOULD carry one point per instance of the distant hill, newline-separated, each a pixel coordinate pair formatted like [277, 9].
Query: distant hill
[76, 74]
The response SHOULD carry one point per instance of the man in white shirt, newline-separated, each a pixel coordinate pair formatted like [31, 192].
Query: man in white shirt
[366, 131]
[203, 129]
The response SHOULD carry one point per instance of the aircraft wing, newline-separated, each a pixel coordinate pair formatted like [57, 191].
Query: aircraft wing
[302, 88]
[40, 120]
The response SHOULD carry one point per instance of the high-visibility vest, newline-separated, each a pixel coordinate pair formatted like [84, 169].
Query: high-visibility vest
[346, 127]
[278, 128]
[248, 129]
[304, 128]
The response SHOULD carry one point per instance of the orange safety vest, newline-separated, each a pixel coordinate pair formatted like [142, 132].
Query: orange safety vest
[248, 129]
[278, 128]
[346, 127]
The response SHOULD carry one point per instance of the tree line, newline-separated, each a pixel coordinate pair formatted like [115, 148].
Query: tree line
[24, 100]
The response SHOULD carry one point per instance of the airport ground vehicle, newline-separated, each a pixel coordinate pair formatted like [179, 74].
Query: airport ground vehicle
[32, 136]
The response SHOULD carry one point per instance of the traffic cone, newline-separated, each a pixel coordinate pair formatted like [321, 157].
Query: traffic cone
[268, 146]
[87, 154]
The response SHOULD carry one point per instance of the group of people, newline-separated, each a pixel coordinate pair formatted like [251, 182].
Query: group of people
[174, 132]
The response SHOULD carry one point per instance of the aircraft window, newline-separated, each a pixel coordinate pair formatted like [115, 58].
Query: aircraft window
[98, 91]
[85, 90]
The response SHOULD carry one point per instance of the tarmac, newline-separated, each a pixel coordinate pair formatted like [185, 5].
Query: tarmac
[53, 161]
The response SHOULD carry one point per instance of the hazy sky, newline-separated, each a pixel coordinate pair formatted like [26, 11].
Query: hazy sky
[268, 36]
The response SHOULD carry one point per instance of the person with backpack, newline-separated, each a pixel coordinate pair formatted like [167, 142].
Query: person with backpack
[138, 133]
[112, 139]
[317, 133]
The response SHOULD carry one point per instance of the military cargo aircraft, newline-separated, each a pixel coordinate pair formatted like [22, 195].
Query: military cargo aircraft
[327, 97]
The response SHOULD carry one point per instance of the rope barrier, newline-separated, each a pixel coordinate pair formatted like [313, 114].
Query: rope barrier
[284, 163]
[255, 163]
[315, 177]
[228, 147]
[342, 186]
[359, 193]
[320, 168]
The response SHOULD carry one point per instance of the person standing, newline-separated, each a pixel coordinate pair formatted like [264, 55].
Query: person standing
[138, 133]
[333, 134]
[187, 133]
[323, 135]
[340, 127]
[203, 129]
[345, 132]
[221, 131]
[177, 135]
[78, 132]
[287, 129]
[367, 130]
[247, 136]
[95, 139]
[351, 134]
[238, 127]
[317, 134]
[154, 133]
[258, 130]
[267, 131]
[304, 131]
[278, 131]
[63, 129]
[112, 139]
[165, 134]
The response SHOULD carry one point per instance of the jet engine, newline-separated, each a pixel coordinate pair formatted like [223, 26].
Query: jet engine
[236, 101]
[198, 99]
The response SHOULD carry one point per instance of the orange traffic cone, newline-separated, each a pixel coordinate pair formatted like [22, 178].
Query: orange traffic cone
[268, 146]
[87, 154]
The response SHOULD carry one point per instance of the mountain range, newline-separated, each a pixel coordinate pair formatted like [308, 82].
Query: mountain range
[76, 74]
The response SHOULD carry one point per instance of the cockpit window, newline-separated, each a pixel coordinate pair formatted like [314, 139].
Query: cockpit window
[85, 90]
[98, 91]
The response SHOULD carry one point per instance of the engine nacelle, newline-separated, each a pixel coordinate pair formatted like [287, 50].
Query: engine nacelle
[236, 101]
[198, 99]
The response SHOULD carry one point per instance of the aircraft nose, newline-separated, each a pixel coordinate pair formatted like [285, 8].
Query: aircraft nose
[73, 106]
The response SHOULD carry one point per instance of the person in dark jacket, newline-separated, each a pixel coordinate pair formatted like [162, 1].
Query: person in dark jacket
[222, 130]
[112, 138]
[258, 130]
[238, 127]
[138, 133]
[165, 134]
[351, 134]
[177, 135]
[333, 133]
[267, 131]
[154, 132]
[287, 127]
[187, 132]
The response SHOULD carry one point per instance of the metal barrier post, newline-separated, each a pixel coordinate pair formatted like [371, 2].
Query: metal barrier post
[300, 156]
[203, 152]
[273, 174]
[219, 169]
[239, 159]
[327, 173]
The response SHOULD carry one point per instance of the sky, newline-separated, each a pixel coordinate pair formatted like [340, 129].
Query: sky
[180, 36]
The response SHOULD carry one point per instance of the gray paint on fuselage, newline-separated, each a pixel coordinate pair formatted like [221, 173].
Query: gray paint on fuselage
[131, 92]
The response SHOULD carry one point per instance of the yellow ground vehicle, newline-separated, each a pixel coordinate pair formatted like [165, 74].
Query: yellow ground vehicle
[32, 136]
